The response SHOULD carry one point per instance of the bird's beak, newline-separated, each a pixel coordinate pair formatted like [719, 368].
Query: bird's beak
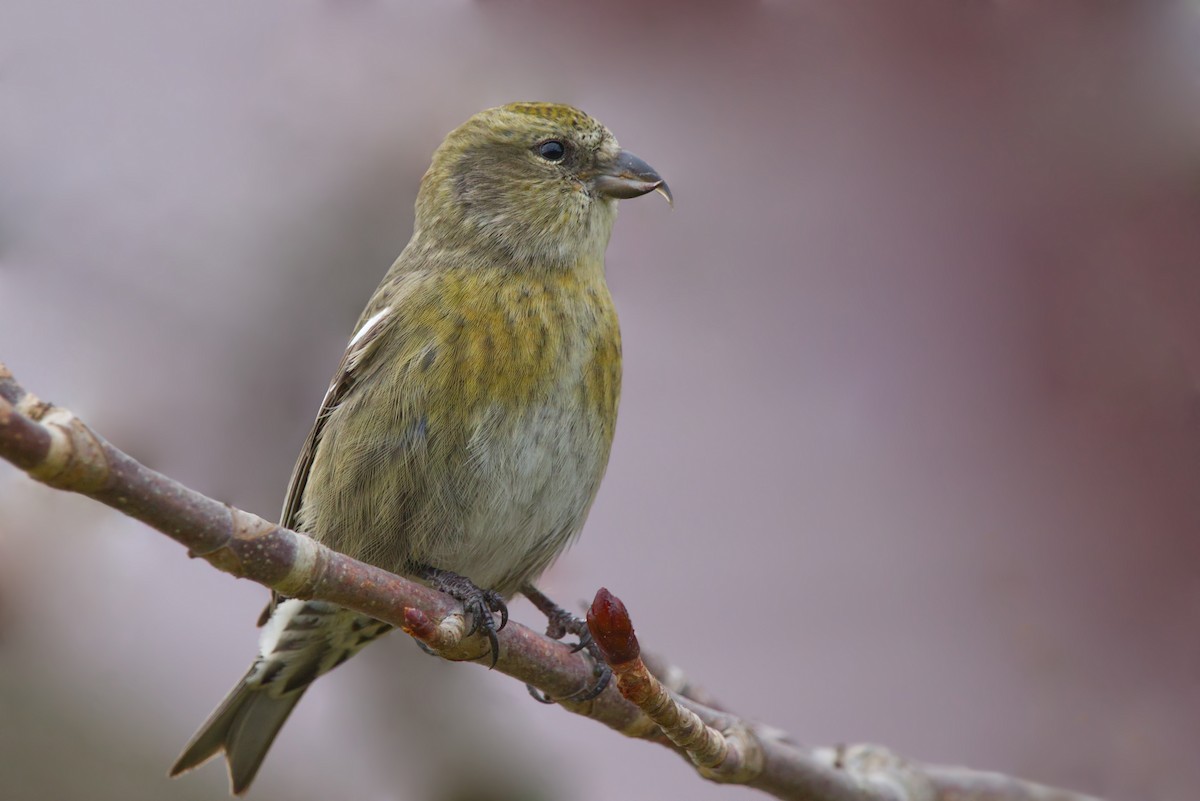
[628, 176]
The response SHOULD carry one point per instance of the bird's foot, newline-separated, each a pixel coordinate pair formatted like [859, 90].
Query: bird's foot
[478, 604]
[559, 624]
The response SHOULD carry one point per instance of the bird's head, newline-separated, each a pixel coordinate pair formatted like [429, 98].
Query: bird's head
[533, 182]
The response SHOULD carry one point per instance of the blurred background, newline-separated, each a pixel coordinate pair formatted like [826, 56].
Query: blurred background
[909, 447]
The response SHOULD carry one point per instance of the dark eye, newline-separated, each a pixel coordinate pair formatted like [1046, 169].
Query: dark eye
[552, 150]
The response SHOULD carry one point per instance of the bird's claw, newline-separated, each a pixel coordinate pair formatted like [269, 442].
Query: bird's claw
[538, 695]
[585, 642]
[478, 609]
[600, 670]
[560, 623]
[479, 605]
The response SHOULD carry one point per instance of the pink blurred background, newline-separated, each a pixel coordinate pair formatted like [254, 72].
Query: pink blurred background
[909, 447]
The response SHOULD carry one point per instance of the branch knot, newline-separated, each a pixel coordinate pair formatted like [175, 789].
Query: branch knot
[75, 460]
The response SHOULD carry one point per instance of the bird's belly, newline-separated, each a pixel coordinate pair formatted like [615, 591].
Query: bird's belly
[535, 475]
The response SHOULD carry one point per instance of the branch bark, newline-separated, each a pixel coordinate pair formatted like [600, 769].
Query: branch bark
[54, 447]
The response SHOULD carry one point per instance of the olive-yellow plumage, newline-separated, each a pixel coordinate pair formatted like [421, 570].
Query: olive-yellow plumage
[504, 421]
[469, 423]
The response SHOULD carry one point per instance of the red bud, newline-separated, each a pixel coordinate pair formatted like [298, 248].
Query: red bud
[611, 628]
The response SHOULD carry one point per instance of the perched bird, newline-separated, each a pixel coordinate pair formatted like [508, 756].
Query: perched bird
[468, 425]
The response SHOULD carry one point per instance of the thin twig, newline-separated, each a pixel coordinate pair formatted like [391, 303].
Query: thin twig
[727, 749]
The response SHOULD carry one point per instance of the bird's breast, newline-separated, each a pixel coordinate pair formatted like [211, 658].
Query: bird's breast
[521, 341]
[536, 362]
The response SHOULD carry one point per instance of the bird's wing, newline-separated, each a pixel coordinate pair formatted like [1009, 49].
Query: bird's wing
[362, 344]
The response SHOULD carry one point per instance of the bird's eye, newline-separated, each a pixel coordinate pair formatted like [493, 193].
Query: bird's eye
[552, 150]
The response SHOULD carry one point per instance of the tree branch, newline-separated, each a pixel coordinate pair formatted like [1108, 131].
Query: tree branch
[53, 446]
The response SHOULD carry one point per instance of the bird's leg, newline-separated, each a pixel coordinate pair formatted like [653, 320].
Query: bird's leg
[560, 623]
[478, 604]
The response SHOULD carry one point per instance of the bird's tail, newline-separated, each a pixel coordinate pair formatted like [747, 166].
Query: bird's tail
[300, 641]
[243, 726]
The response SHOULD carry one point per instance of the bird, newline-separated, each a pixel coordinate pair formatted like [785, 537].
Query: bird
[467, 427]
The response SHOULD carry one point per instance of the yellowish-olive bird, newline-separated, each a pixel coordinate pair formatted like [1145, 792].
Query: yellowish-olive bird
[468, 425]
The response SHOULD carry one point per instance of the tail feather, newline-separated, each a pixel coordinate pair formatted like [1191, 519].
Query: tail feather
[243, 726]
[301, 641]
